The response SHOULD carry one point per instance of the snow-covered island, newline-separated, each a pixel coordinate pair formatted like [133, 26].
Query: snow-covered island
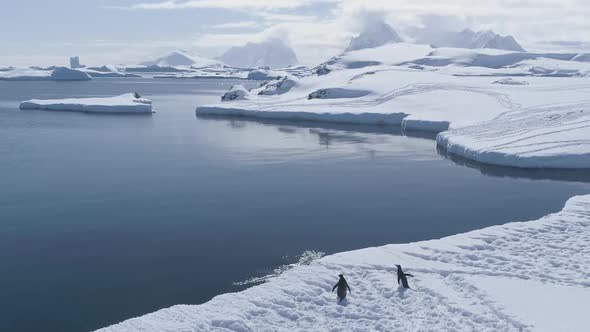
[128, 103]
[537, 118]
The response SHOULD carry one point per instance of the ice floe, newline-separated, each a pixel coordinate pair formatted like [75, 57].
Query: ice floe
[129, 103]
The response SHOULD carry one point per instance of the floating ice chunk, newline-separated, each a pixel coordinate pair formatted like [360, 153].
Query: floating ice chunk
[126, 103]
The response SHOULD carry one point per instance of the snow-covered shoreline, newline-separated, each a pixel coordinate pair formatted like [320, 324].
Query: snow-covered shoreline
[501, 278]
[392, 86]
[124, 104]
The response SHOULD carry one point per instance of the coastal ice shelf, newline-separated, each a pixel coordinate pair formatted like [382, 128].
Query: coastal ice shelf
[127, 104]
[542, 97]
[527, 276]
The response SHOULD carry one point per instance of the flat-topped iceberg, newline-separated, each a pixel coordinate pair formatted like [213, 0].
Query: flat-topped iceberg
[129, 103]
[52, 74]
[501, 278]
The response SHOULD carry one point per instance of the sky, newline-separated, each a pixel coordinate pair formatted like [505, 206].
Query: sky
[42, 32]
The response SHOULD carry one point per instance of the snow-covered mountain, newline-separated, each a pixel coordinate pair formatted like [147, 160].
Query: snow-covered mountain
[374, 34]
[181, 58]
[485, 39]
[273, 53]
[466, 38]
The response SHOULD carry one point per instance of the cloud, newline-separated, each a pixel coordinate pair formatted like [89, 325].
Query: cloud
[228, 4]
[236, 25]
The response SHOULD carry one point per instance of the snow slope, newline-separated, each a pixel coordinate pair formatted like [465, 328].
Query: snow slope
[273, 53]
[530, 276]
[126, 103]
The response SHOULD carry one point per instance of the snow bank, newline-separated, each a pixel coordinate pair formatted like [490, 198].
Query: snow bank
[126, 103]
[553, 136]
[530, 276]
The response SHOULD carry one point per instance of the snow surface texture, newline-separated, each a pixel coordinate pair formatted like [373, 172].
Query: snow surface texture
[126, 103]
[55, 74]
[531, 276]
[370, 87]
[273, 53]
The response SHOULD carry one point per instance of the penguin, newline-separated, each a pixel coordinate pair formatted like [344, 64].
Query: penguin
[401, 276]
[342, 286]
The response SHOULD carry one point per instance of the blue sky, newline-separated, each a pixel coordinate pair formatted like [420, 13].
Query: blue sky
[41, 32]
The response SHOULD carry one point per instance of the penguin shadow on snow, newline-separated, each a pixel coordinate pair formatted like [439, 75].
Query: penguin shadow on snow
[401, 292]
[343, 303]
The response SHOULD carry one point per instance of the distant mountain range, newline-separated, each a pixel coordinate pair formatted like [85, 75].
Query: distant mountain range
[180, 58]
[380, 33]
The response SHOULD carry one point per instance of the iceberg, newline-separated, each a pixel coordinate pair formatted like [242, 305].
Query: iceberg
[129, 103]
[37, 74]
[501, 278]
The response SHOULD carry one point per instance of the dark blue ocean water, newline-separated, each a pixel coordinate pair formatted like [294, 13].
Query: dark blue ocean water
[106, 217]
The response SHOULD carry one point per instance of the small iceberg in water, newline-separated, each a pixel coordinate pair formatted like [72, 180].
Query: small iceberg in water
[129, 103]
